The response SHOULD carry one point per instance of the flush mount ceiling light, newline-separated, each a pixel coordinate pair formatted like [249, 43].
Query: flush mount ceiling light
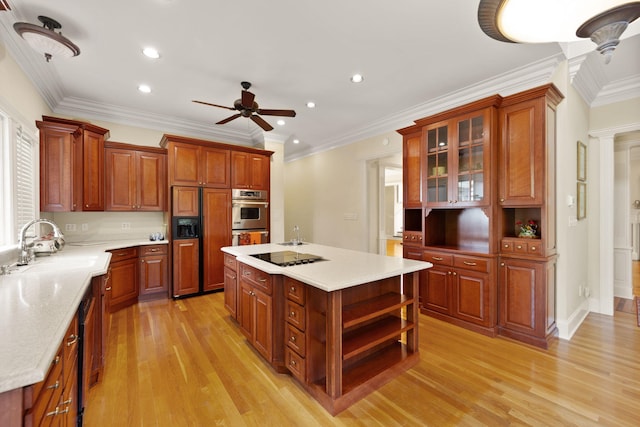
[544, 21]
[357, 78]
[151, 52]
[45, 40]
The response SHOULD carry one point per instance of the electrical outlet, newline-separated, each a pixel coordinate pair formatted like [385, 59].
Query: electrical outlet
[84, 227]
[579, 291]
[69, 227]
[126, 225]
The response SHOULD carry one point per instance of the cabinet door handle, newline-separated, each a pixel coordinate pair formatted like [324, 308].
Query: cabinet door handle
[293, 289]
[108, 289]
[502, 264]
[142, 261]
[73, 338]
[437, 258]
[469, 263]
[455, 274]
[293, 363]
[292, 338]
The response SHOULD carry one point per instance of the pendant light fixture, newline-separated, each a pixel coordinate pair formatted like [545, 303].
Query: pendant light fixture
[545, 21]
[45, 40]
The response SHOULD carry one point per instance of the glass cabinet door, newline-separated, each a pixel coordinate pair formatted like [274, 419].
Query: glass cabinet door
[470, 174]
[437, 167]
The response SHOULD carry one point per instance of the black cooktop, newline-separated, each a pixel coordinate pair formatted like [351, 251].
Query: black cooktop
[286, 258]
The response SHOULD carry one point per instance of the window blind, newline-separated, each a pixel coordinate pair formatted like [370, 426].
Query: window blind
[25, 179]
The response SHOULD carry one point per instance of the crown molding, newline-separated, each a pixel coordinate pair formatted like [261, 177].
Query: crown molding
[508, 83]
[589, 77]
[617, 91]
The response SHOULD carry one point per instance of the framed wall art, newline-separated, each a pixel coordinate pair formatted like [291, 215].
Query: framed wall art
[582, 200]
[582, 161]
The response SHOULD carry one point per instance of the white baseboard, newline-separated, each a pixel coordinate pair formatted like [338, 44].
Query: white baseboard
[566, 328]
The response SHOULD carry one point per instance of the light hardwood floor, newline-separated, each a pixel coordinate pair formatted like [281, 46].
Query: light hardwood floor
[184, 363]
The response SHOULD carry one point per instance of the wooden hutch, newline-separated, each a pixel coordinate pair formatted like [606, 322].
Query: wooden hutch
[472, 174]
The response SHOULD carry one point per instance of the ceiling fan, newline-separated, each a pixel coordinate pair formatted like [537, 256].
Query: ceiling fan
[247, 107]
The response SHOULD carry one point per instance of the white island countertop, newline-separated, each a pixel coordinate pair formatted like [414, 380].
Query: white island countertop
[38, 302]
[342, 268]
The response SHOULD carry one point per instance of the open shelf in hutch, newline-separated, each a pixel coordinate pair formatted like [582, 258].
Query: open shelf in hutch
[457, 229]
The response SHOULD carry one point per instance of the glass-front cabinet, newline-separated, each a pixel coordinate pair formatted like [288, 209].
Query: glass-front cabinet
[457, 161]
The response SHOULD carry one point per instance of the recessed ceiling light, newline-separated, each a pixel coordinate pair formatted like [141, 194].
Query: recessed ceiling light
[311, 104]
[357, 78]
[144, 88]
[151, 52]
[296, 141]
[280, 122]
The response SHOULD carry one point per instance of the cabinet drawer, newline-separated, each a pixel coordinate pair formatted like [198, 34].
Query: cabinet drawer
[412, 253]
[295, 340]
[295, 315]
[54, 374]
[438, 258]
[295, 291]
[471, 263]
[43, 397]
[256, 277]
[295, 364]
[70, 347]
[230, 261]
[522, 246]
[412, 238]
[153, 250]
[121, 254]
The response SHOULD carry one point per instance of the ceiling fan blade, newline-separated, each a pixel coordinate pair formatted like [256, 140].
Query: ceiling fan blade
[228, 119]
[214, 105]
[284, 113]
[247, 99]
[260, 122]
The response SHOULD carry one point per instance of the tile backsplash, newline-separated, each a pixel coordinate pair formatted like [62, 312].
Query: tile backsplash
[103, 226]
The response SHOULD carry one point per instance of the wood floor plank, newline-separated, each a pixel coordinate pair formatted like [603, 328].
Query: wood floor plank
[185, 363]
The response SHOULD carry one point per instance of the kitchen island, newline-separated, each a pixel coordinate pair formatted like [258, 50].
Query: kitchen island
[343, 326]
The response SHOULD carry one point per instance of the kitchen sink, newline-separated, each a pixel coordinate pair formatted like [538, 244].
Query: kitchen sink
[292, 243]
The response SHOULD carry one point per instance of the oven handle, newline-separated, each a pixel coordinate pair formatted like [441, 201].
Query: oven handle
[239, 232]
[249, 204]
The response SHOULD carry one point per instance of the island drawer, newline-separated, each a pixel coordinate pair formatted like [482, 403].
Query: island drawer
[295, 364]
[153, 250]
[295, 315]
[230, 261]
[126, 253]
[471, 263]
[438, 258]
[296, 340]
[295, 290]
[256, 277]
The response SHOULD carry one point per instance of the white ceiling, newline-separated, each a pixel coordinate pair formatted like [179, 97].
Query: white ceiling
[417, 57]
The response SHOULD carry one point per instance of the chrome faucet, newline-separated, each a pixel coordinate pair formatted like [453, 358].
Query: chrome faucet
[26, 251]
[296, 240]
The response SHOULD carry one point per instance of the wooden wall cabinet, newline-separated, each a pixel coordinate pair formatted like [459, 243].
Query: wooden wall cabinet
[186, 201]
[71, 165]
[135, 178]
[192, 163]
[154, 276]
[250, 170]
[124, 278]
[186, 275]
[412, 148]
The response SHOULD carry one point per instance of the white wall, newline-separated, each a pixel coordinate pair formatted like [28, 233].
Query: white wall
[328, 194]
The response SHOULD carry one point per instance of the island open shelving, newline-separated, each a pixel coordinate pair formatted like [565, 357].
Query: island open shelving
[344, 337]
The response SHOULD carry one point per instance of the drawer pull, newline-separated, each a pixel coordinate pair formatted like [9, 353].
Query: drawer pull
[506, 246]
[469, 263]
[292, 363]
[262, 280]
[292, 338]
[68, 402]
[53, 413]
[533, 248]
[293, 289]
[519, 246]
[247, 273]
[437, 258]
[54, 386]
[155, 250]
[292, 314]
[56, 360]
[108, 289]
[73, 338]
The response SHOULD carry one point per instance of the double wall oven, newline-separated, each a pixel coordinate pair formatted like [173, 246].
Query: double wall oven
[249, 217]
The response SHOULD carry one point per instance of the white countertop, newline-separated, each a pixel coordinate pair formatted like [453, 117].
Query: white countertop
[37, 303]
[342, 269]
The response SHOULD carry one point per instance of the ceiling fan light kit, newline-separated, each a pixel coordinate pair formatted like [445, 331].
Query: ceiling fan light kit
[45, 40]
[247, 107]
[545, 21]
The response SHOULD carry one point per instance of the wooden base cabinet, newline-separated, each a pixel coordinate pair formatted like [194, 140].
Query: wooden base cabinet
[154, 266]
[231, 285]
[186, 275]
[527, 300]
[124, 278]
[461, 289]
[257, 312]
